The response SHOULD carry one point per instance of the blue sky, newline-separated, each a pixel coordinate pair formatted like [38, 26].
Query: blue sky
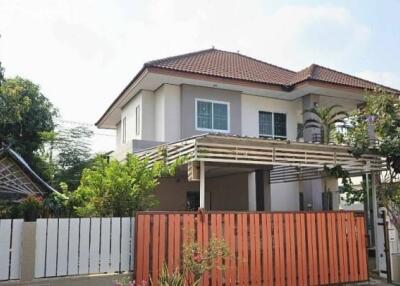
[83, 52]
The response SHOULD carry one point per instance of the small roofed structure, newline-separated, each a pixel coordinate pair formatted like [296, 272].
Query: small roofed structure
[17, 179]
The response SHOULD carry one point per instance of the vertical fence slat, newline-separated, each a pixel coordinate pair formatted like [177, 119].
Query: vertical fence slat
[301, 250]
[205, 245]
[245, 249]
[240, 250]
[84, 246]
[105, 237]
[16, 245]
[94, 255]
[125, 243]
[290, 250]
[258, 248]
[155, 249]
[322, 249]
[332, 246]
[161, 256]
[268, 275]
[363, 264]
[132, 254]
[73, 251]
[115, 243]
[51, 249]
[177, 237]
[139, 247]
[312, 249]
[227, 261]
[146, 248]
[352, 248]
[232, 245]
[170, 241]
[5, 238]
[279, 250]
[343, 258]
[62, 252]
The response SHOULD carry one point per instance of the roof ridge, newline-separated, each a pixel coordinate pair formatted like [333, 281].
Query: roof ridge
[257, 60]
[150, 63]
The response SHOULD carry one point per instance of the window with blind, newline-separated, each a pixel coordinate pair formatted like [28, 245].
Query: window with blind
[212, 115]
[272, 125]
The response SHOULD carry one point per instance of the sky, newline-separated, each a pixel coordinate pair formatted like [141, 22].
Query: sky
[82, 53]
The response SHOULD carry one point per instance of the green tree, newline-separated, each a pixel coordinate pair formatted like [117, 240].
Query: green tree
[380, 117]
[24, 114]
[326, 120]
[113, 188]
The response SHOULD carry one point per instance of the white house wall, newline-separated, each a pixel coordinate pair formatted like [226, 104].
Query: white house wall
[129, 112]
[252, 104]
[147, 114]
[167, 113]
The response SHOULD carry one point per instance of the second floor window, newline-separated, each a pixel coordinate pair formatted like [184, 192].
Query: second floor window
[272, 125]
[212, 115]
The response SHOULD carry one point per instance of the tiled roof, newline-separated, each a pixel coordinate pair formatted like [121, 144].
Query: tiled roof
[219, 63]
[213, 62]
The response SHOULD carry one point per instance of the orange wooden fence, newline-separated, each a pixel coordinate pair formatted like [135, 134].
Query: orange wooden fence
[296, 248]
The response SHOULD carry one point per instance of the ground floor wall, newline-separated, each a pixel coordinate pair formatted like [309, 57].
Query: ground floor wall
[285, 196]
[222, 193]
[231, 193]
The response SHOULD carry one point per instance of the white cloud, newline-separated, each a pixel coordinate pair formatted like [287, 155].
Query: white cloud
[84, 52]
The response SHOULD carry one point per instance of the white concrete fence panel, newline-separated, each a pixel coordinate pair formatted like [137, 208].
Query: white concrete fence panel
[79, 246]
[10, 248]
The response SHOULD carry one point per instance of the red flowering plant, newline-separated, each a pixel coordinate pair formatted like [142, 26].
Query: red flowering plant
[198, 259]
[31, 207]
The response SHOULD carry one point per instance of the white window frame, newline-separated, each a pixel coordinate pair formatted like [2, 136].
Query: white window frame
[123, 131]
[273, 125]
[137, 120]
[212, 115]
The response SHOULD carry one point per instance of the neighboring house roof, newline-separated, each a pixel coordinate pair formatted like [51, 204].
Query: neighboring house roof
[213, 62]
[17, 179]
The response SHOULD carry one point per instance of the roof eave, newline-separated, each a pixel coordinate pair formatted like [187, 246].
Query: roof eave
[142, 71]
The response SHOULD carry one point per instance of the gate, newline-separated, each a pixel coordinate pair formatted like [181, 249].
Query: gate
[288, 248]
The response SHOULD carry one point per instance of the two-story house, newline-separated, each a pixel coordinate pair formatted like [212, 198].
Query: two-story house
[240, 122]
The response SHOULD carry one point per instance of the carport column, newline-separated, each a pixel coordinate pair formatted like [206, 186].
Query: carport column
[375, 215]
[251, 189]
[202, 185]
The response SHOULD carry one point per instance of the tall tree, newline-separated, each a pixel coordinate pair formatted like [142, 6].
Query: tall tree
[25, 113]
[380, 118]
[326, 120]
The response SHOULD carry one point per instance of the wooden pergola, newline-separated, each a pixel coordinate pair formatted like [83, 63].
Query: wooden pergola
[288, 160]
[17, 179]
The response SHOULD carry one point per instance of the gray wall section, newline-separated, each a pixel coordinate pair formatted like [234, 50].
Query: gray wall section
[189, 93]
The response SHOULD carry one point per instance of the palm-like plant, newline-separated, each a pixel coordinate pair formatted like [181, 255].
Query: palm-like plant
[326, 120]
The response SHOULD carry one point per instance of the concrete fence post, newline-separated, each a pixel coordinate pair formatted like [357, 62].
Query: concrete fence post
[27, 260]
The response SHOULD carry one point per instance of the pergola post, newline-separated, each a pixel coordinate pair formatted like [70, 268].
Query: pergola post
[374, 216]
[251, 191]
[202, 185]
